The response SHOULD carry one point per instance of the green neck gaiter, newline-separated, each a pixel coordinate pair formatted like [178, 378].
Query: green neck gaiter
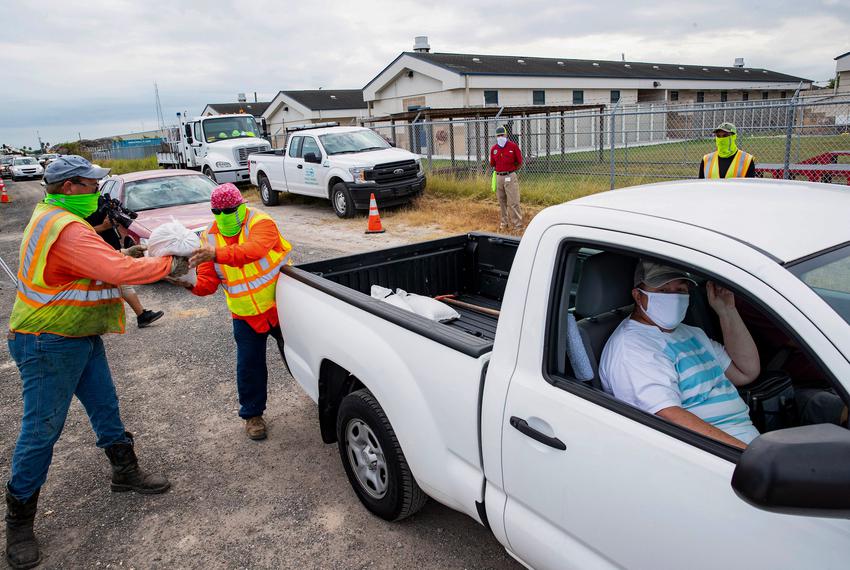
[230, 224]
[83, 205]
[726, 146]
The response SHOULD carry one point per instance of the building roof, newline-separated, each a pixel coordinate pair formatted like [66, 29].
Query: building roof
[471, 64]
[787, 219]
[256, 109]
[328, 99]
[842, 55]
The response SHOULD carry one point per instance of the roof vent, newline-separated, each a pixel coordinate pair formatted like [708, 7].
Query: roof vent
[627, 65]
[521, 61]
[682, 68]
[739, 62]
[333, 96]
[241, 97]
[476, 59]
[705, 69]
[655, 67]
[595, 64]
[562, 63]
[746, 71]
[420, 44]
[726, 70]
[764, 71]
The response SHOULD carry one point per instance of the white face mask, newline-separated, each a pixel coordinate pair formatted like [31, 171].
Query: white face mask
[667, 310]
[501, 141]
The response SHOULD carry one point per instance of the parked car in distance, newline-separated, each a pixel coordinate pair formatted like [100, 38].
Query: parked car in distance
[24, 167]
[5, 164]
[160, 196]
[47, 158]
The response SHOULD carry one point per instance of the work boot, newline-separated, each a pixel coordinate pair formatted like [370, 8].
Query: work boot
[21, 546]
[256, 428]
[126, 474]
[147, 317]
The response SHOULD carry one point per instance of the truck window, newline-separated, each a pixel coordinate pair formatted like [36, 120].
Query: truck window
[198, 136]
[216, 129]
[592, 299]
[310, 145]
[295, 147]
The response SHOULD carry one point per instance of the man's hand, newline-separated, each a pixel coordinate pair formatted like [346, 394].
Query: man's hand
[104, 225]
[179, 266]
[135, 251]
[720, 299]
[202, 254]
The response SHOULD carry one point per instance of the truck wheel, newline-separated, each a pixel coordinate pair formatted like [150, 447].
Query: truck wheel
[342, 201]
[209, 173]
[267, 195]
[373, 459]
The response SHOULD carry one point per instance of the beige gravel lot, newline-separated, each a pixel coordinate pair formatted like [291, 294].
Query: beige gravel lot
[281, 503]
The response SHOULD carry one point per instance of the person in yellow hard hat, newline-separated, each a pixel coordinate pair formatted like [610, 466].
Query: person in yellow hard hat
[728, 161]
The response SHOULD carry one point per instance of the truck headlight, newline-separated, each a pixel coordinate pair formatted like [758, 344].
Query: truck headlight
[359, 174]
[421, 168]
[222, 164]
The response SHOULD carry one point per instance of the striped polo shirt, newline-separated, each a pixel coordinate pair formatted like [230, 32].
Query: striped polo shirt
[653, 370]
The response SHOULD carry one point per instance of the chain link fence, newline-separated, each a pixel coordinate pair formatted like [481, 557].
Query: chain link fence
[620, 145]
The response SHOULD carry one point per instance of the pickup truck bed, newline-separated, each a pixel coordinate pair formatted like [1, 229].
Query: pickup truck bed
[474, 267]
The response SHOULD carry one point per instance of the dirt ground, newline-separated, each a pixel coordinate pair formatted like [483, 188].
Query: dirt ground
[281, 503]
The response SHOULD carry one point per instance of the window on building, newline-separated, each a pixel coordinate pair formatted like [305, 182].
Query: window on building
[674, 95]
[724, 96]
[746, 95]
[578, 97]
[783, 95]
[538, 97]
[700, 96]
[764, 94]
[491, 97]
[615, 95]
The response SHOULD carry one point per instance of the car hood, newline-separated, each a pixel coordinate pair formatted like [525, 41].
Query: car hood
[26, 166]
[372, 157]
[196, 217]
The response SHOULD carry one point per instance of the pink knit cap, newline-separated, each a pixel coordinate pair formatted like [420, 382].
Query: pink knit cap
[226, 196]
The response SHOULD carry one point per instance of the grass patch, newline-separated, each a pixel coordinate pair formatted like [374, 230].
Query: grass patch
[123, 166]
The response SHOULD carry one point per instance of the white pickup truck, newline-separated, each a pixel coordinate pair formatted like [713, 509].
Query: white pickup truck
[343, 164]
[485, 414]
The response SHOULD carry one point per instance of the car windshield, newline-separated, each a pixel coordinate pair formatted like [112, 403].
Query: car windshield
[828, 275]
[167, 191]
[230, 128]
[353, 141]
[25, 161]
[6, 160]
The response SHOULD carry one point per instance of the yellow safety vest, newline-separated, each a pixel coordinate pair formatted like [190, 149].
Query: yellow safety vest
[78, 308]
[249, 289]
[738, 168]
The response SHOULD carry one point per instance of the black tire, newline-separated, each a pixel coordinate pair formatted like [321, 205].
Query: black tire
[15, 179]
[402, 496]
[209, 174]
[341, 201]
[267, 195]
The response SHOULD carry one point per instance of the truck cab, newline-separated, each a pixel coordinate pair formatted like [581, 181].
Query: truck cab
[217, 145]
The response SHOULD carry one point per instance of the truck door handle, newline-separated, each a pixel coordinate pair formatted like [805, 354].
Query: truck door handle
[526, 429]
[300, 166]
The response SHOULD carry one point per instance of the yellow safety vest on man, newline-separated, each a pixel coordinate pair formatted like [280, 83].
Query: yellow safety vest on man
[737, 169]
[76, 309]
[249, 289]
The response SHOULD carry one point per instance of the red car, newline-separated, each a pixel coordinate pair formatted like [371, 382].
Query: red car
[160, 196]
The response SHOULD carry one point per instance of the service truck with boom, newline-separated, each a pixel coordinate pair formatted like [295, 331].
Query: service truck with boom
[501, 415]
[344, 164]
[217, 145]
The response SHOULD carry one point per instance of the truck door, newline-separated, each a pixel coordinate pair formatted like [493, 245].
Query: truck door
[198, 146]
[313, 172]
[293, 166]
[593, 482]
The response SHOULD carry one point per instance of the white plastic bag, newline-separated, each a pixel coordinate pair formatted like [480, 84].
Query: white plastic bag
[174, 238]
[428, 307]
[388, 296]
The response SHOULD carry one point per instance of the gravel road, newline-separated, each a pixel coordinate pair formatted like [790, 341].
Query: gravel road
[235, 503]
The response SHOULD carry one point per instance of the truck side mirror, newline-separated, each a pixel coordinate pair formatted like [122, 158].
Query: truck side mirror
[311, 157]
[797, 471]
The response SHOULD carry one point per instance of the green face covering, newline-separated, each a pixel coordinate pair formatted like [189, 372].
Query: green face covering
[83, 205]
[726, 146]
[230, 224]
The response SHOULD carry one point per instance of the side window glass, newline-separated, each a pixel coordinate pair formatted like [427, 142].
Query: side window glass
[198, 136]
[310, 145]
[295, 147]
[107, 186]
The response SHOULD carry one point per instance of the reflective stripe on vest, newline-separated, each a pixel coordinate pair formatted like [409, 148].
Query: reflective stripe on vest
[250, 289]
[78, 308]
[737, 169]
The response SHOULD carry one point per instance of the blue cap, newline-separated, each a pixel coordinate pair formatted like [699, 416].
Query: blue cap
[71, 166]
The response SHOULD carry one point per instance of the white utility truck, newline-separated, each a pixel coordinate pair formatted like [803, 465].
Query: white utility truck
[217, 145]
[489, 415]
[344, 164]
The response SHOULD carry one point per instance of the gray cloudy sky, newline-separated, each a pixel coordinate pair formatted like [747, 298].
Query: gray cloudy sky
[69, 67]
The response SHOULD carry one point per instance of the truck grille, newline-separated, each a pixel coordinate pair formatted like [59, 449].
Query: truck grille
[390, 172]
[242, 153]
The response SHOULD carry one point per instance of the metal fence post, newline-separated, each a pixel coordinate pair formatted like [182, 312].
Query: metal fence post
[789, 133]
[611, 138]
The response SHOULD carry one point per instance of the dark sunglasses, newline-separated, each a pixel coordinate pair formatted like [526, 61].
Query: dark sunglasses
[218, 211]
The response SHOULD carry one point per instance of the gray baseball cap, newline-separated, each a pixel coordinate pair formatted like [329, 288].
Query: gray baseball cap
[726, 126]
[71, 166]
[656, 274]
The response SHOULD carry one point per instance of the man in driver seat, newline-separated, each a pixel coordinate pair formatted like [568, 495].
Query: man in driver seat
[675, 371]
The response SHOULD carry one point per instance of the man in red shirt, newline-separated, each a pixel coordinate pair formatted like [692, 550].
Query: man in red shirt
[506, 158]
[243, 252]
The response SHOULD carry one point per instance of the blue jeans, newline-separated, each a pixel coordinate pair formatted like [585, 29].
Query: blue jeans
[252, 374]
[54, 369]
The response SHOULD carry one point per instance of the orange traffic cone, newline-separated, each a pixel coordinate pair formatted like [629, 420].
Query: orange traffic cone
[374, 218]
[4, 198]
